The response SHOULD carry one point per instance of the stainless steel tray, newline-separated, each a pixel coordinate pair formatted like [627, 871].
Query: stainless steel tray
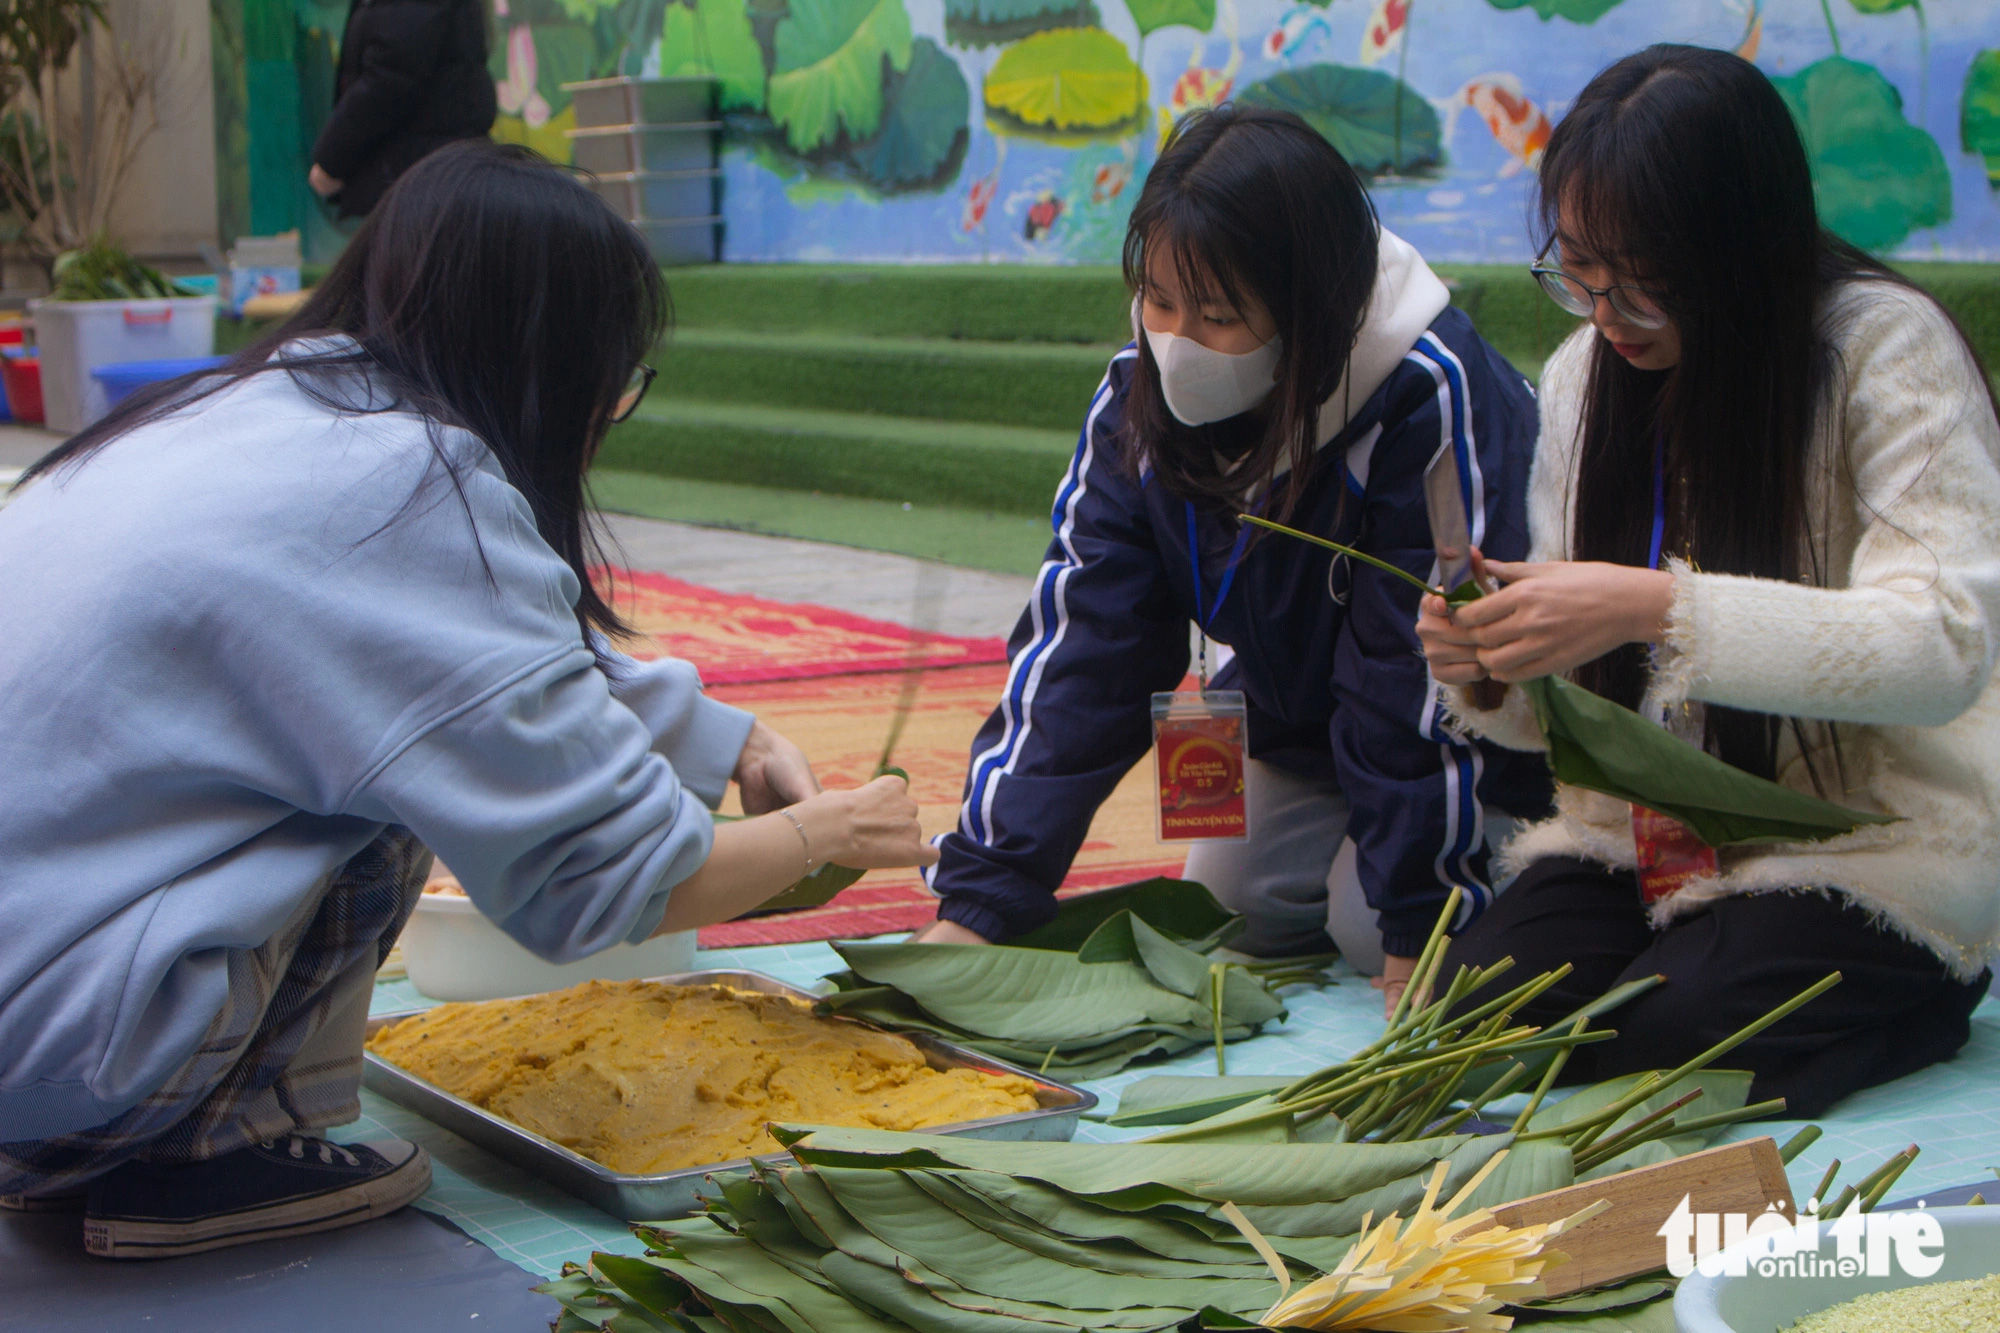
[674, 1193]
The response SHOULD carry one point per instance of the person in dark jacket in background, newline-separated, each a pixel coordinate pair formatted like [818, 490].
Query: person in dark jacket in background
[412, 78]
[1292, 358]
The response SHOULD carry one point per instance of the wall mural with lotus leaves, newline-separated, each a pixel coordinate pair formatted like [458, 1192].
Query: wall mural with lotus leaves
[1019, 130]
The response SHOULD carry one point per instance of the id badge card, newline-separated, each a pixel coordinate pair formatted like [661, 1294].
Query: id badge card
[1198, 747]
[1669, 854]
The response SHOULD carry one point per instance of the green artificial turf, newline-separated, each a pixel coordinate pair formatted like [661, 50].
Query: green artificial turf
[997, 302]
[975, 539]
[1008, 469]
[1044, 385]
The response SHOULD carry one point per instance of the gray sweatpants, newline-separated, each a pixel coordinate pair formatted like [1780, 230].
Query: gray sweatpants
[1295, 878]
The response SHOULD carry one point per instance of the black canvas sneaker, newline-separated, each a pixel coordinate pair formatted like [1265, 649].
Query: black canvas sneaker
[295, 1185]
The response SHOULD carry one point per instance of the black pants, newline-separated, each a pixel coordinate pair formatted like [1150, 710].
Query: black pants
[1896, 1011]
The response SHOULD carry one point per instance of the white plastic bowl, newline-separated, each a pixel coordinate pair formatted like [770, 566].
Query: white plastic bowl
[1756, 1304]
[454, 953]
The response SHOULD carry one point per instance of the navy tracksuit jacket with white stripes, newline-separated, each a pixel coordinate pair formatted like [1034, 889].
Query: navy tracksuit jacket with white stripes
[1326, 652]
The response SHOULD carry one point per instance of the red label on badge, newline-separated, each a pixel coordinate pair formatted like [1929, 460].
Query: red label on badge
[1201, 778]
[1669, 853]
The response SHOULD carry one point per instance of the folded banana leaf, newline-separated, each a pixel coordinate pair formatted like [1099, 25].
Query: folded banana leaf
[1179, 908]
[1606, 747]
[1602, 746]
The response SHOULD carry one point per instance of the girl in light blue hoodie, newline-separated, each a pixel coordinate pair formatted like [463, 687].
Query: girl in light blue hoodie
[267, 637]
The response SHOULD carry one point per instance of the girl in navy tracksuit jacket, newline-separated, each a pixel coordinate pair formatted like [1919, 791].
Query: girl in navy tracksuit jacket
[1258, 265]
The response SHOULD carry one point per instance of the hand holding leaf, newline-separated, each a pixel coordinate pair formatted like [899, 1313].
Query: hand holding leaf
[1605, 747]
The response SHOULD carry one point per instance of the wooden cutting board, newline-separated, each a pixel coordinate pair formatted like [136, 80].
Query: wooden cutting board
[1624, 1241]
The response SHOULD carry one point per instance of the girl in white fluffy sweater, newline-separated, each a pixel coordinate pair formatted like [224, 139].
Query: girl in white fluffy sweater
[1765, 510]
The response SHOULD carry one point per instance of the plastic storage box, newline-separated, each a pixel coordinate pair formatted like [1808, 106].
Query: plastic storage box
[76, 337]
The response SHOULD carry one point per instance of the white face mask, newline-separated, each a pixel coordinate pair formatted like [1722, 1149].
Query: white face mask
[1203, 385]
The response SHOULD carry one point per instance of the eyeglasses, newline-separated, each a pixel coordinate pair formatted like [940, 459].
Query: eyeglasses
[635, 389]
[1634, 305]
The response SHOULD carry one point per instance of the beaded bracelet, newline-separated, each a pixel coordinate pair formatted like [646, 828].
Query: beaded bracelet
[802, 838]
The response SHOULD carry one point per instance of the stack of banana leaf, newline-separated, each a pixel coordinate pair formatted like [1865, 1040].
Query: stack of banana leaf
[866, 1231]
[1117, 976]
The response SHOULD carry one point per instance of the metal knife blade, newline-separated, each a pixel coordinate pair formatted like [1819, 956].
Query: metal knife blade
[1451, 537]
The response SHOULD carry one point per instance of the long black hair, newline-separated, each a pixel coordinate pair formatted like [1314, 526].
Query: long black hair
[1680, 168]
[1249, 200]
[489, 291]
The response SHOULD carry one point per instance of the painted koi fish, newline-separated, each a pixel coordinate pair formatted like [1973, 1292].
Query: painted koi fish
[1384, 32]
[1517, 124]
[1293, 31]
[1042, 216]
[978, 199]
[1110, 181]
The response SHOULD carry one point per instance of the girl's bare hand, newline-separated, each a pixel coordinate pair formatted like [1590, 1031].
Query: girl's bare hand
[869, 828]
[1451, 650]
[1551, 617]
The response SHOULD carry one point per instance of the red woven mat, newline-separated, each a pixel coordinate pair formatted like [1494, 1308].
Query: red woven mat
[735, 638]
[841, 722]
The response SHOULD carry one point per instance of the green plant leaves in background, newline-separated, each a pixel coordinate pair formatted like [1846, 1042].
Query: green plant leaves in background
[1066, 83]
[1979, 112]
[828, 75]
[924, 123]
[1877, 177]
[1152, 15]
[563, 54]
[977, 23]
[1576, 11]
[714, 37]
[1378, 122]
[1604, 747]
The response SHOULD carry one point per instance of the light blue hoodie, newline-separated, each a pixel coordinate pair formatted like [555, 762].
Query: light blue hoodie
[231, 652]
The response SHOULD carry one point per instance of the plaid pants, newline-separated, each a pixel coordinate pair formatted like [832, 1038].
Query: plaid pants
[284, 1055]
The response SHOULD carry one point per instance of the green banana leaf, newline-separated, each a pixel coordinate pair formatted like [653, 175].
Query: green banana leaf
[1180, 908]
[1597, 744]
[1606, 747]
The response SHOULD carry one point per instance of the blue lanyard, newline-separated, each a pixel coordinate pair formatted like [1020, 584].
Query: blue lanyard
[1228, 573]
[1659, 506]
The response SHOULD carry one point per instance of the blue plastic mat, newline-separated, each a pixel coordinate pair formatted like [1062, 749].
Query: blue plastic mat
[1946, 1109]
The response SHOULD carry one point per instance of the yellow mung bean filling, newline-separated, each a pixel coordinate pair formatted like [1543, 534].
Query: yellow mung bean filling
[1971, 1306]
[645, 1077]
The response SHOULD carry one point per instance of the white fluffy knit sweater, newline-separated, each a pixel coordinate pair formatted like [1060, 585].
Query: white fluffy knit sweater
[1897, 645]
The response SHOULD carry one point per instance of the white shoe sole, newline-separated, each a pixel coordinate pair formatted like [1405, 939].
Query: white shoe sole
[137, 1238]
